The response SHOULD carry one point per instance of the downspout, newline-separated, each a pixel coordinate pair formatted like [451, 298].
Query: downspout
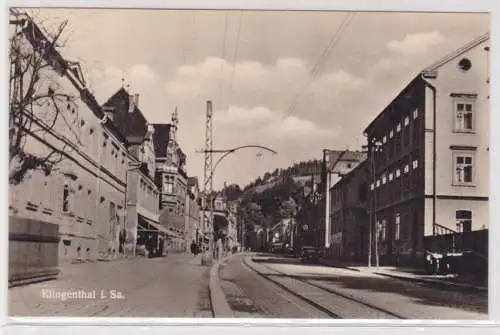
[434, 150]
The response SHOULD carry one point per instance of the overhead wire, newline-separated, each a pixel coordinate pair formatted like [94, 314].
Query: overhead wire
[235, 59]
[222, 60]
[318, 66]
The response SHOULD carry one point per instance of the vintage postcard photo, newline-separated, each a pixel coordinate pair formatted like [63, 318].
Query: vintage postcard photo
[248, 164]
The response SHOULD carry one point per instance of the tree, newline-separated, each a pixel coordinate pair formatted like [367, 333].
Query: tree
[35, 99]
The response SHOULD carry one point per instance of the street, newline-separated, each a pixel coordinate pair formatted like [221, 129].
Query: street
[272, 286]
[173, 286]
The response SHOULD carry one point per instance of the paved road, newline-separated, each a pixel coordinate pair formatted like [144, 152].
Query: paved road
[174, 286]
[350, 294]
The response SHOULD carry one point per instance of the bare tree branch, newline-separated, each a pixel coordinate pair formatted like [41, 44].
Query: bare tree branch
[31, 54]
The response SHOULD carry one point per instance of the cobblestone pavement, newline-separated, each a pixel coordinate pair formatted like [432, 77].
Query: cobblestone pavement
[412, 300]
[173, 286]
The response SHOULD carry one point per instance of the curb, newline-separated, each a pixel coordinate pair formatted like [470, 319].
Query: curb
[220, 307]
[322, 262]
[440, 283]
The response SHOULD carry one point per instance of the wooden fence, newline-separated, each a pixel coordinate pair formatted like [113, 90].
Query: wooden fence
[33, 251]
[475, 241]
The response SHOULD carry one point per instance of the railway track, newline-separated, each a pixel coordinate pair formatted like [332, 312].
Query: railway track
[333, 303]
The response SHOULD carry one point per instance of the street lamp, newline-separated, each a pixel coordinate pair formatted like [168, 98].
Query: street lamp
[225, 153]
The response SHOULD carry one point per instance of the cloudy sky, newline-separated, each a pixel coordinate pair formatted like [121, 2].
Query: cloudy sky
[297, 82]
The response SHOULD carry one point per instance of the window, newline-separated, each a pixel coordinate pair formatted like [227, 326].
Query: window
[391, 134]
[372, 186]
[384, 139]
[169, 185]
[382, 226]
[398, 127]
[406, 168]
[415, 164]
[407, 121]
[391, 176]
[415, 114]
[464, 109]
[464, 221]
[397, 227]
[378, 183]
[463, 169]
[398, 173]
[384, 179]
[66, 199]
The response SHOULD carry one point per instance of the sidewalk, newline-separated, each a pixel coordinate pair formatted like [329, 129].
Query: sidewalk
[171, 286]
[410, 274]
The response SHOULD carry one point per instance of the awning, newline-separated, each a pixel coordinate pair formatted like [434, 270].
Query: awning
[146, 224]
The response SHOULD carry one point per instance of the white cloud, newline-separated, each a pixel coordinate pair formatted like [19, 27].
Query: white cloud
[266, 123]
[416, 43]
[338, 80]
[141, 74]
[254, 81]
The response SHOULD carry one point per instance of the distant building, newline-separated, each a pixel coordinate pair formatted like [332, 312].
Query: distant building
[171, 180]
[193, 214]
[336, 164]
[429, 153]
[349, 216]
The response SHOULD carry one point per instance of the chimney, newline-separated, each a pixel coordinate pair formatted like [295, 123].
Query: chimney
[131, 103]
[136, 100]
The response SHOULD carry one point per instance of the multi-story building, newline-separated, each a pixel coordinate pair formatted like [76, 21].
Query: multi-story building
[336, 164]
[142, 227]
[171, 180]
[429, 154]
[80, 198]
[349, 217]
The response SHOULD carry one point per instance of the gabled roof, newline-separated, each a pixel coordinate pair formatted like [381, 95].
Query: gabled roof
[429, 70]
[132, 125]
[35, 35]
[458, 52]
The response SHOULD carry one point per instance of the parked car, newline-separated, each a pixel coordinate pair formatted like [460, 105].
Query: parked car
[309, 254]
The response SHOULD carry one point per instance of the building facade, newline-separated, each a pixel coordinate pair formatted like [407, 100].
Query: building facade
[85, 191]
[336, 164]
[171, 180]
[142, 196]
[349, 216]
[429, 155]
[193, 202]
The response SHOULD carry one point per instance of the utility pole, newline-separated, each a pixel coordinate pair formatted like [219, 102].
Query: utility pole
[208, 180]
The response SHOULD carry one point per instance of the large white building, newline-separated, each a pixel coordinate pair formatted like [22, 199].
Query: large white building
[429, 157]
[84, 192]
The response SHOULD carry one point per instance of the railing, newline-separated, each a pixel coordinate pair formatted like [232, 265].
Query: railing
[442, 230]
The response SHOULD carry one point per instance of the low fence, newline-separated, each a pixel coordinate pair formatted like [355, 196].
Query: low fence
[474, 241]
[473, 246]
[33, 251]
